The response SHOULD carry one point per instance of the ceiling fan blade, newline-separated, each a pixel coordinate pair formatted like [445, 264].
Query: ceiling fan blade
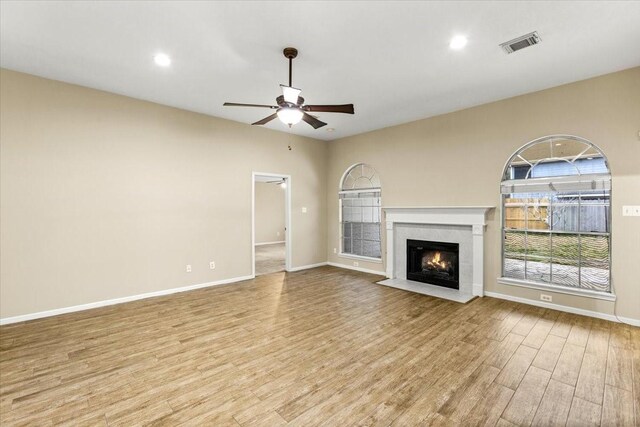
[235, 104]
[266, 120]
[344, 108]
[313, 121]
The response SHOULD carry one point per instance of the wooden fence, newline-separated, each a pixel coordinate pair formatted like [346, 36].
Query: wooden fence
[533, 214]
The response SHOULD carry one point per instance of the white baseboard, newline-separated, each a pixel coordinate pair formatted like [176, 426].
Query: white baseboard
[629, 321]
[64, 310]
[306, 267]
[567, 309]
[351, 267]
[269, 243]
[82, 307]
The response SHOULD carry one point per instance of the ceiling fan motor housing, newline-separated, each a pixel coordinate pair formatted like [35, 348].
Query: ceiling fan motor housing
[281, 102]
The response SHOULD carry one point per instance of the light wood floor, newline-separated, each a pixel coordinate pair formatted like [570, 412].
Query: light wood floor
[318, 347]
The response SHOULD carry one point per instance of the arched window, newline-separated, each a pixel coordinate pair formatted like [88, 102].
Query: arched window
[556, 215]
[360, 212]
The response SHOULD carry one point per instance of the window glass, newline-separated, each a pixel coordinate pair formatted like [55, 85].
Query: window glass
[556, 214]
[360, 212]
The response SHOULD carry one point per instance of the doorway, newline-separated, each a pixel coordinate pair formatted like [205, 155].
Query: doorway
[271, 223]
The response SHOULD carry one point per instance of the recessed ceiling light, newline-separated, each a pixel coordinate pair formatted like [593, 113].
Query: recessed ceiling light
[330, 129]
[458, 42]
[162, 60]
[558, 144]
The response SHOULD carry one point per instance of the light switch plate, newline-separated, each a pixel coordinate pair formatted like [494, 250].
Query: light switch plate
[304, 210]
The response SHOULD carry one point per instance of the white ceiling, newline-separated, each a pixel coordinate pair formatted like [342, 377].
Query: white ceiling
[389, 58]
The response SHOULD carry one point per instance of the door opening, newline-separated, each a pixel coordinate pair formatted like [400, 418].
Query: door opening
[271, 228]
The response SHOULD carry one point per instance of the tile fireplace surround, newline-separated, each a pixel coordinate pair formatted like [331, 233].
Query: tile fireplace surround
[464, 225]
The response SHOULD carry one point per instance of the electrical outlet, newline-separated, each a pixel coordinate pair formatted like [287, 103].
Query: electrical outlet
[355, 263]
[547, 298]
[335, 251]
[212, 265]
[629, 210]
[188, 268]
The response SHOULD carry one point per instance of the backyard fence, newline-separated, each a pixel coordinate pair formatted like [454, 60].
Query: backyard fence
[541, 214]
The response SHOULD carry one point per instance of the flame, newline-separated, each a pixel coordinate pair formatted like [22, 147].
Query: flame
[437, 262]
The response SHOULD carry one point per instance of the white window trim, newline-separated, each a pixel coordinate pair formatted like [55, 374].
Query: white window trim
[341, 252]
[360, 257]
[587, 293]
[601, 181]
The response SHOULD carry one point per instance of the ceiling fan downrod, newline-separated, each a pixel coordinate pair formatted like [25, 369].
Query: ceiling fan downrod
[290, 53]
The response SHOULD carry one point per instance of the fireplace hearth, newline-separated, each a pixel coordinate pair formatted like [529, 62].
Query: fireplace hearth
[436, 263]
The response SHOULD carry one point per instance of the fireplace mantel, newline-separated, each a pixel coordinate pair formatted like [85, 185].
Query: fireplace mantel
[471, 216]
[451, 215]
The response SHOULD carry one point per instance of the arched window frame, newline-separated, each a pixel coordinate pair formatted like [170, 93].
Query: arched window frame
[360, 213]
[588, 273]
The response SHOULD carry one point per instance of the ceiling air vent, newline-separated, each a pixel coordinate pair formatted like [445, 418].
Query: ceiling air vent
[521, 42]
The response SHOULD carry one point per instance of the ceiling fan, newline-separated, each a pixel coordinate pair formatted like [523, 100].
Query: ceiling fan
[291, 107]
[281, 182]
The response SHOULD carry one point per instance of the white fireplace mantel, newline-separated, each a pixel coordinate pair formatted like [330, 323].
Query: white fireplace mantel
[473, 216]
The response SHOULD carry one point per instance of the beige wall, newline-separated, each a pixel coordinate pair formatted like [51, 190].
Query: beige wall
[104, 196]
[460, 157]
[269, 213]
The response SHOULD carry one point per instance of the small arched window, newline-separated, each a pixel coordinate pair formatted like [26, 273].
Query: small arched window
[556, 214]
[360, 212]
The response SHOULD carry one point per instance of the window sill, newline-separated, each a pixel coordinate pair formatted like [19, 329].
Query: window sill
[555, 288]
[362, 258]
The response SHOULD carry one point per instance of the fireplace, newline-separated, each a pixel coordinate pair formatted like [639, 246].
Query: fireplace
[435, 263]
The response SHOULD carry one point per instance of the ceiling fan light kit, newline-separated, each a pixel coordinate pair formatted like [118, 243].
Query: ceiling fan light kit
[290, 115]
[290, 94]
[291, 108]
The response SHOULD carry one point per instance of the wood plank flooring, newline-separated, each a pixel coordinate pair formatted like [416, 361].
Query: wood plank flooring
[319, 347]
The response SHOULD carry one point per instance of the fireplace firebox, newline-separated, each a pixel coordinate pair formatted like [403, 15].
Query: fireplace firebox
[435, 263]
